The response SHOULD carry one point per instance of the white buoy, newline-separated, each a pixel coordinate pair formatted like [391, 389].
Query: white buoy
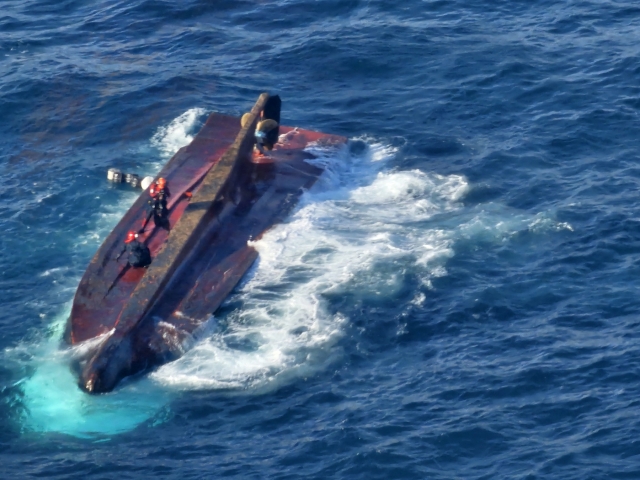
[132, 179]
[145, 182]
[114, 175]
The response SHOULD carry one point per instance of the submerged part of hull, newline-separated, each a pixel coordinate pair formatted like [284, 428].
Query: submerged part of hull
[152, 313]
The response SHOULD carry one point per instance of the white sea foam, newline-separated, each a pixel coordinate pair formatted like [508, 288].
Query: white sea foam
[178, 133]
[355, 233]
[495, 222]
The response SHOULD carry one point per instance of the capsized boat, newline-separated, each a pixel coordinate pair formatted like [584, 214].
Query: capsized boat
[223, 195]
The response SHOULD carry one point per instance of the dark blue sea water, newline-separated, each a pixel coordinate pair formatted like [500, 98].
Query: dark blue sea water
[458, 297]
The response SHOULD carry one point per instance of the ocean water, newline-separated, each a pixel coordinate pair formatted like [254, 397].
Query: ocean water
[457, 297]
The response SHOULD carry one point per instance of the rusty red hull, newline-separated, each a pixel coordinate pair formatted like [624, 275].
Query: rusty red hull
[148, 315]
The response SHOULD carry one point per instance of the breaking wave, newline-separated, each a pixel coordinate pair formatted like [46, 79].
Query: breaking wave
[178, 133]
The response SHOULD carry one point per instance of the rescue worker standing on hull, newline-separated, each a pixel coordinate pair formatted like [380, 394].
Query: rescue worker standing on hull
[139, 254]
[159, 192]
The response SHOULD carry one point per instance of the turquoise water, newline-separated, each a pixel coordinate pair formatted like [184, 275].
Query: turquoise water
[52, 402]
[456, 298]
